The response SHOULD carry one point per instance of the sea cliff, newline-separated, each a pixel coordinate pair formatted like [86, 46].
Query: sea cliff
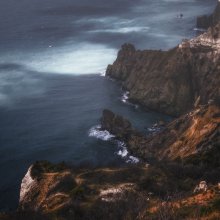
[172, 81]
[206, 21]
[178, 176]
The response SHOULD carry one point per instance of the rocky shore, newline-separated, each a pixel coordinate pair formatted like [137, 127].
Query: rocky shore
[178, 177]
[182, 82]
[188, 135]
[172, 81]
[206, 21]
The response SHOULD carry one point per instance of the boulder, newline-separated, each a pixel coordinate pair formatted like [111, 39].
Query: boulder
[116, 125]
[202, 187]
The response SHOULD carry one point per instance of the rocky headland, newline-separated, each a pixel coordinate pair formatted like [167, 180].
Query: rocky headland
[172, 81]
[206, 21]
[192, 133]
[178, 177]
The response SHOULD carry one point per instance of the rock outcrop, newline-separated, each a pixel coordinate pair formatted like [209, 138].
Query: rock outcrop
[45, 189]
[56, 191]
[171, 81]
[122, 129]
[194, 132]
[206, 21]
[61, 192]
[190, 134]
[116, 125]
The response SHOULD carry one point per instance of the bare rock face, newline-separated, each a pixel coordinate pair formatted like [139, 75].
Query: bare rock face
[154, 80]
[206, 21]
[51, 192]
[190, 134]
[122, 129]
[44, 188]
[201, 187]
[27, 185]
[171, 81]
[116, 124]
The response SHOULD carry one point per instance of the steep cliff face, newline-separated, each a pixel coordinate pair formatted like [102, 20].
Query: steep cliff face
[171, 81]
[206, 21]
[44, 189]
[158, 80]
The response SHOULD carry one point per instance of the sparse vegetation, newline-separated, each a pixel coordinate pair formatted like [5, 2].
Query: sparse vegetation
[41, 167]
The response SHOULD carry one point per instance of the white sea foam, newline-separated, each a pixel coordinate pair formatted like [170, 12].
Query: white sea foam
[99, 134]
[155, 128]
[133, 159]
[70, 58]
[102, 72]
[123, 152]
[122, 30]
[105, 135]
[199, 29]
[125, 97]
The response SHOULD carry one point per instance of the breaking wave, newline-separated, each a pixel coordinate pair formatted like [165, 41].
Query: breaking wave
[125, 99]
[99, 134]
[123, 153]
[96, 132]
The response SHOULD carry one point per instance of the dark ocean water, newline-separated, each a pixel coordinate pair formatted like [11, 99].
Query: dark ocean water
[49, 98]
[54, 123]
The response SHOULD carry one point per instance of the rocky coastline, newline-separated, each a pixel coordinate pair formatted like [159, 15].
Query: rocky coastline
[206, 21]
[173, 81]
[188, 135]
[183, 82]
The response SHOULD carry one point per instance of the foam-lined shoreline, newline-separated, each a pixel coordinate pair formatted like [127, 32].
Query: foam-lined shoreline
[123, 153]
[125, 99]
[96, 132]
[104, 135]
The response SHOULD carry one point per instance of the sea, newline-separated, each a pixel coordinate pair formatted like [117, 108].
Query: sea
[53, 57]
